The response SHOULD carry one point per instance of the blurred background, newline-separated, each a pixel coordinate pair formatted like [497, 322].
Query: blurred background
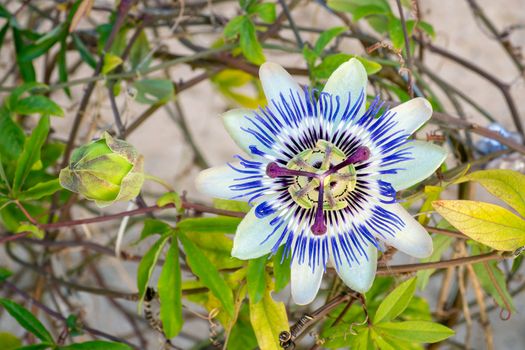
[186, 135]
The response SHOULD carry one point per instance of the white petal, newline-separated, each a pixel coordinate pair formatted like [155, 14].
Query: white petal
[275, 80]
[411, 115]
[412, 239]
[359, 277]
[304, 282]
[216, 181]
[350, 77]
[426, 158]
[255, 236]
[235, 121]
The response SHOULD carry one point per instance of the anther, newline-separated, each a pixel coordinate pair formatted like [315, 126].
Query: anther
[273, 170]
[361, 154]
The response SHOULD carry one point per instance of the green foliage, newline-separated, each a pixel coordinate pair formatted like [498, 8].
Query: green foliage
[398, 320]
[147, 264]
[26, 319]
[268, 319]
[30, 153]
[219, 224]
[396, 302]
[154, 91]
[95, 345]
[9, 341]
[207, 273]
[170, 293]
[255, 278]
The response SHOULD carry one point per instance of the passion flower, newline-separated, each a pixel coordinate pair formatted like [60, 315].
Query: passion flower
[322, 177]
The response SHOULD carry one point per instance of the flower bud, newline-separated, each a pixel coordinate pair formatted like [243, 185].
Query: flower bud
[105, 170]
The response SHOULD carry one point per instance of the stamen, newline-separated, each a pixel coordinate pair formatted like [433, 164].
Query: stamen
[309, 187]
[361, 154]
[273, 170]
[327, 157]
[319, 227]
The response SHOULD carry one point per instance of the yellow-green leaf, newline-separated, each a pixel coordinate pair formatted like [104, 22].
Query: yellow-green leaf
[396, 302]
[507, 185]
[9, 341]
[415, 331]
[486, 223]
[111, 62]
[268, 319]
[207, 273]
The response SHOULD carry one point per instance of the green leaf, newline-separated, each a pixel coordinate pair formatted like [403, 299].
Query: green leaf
[3, 32]
[281, 269]
[19, 91]
[11, 136]
[242, 336]
[265, 10]
[326, 37]
[219, 224]
[140, 51]
[232, 205]
[250, 46]
[154, 226]
[63, 75]
[40, 190]
[31, 153]
[170, 198]
[368, 10]
[427, 28]
[41, 346]
[441, 244]
[352, 5]
[85, 55]
[96, 345]
[35, 230]
[38, 104]
[5, 273]
[9, 341]
[332, 62]
[42, 45]
[255, 278]
[268, 319]
[507, 185]
[27, 71]
[170, 293]
[153, 91]
[395, 302]
[233, 28]
[247, 4]
[111, 61]
[207, 273]
[484, 271]
[26, 320]
[217, 248]
[395, 30]
[147, 264]
[486, 223]
[415, 331]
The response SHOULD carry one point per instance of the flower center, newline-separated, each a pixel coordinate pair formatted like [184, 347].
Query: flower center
[322, 178]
